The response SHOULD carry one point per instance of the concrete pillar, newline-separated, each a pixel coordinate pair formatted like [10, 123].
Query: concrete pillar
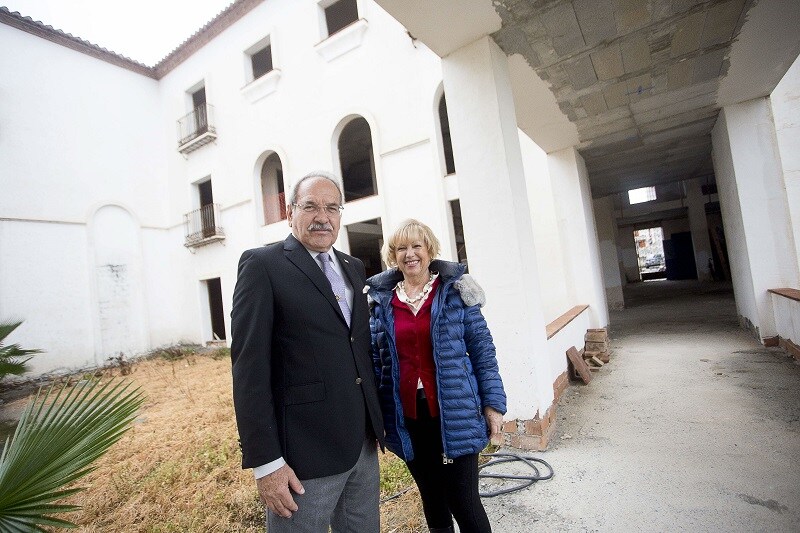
[628, 256]
[609, 258]
[554, 294]
[755, 210]
[699, 228]
[497, 219]
[573, 200]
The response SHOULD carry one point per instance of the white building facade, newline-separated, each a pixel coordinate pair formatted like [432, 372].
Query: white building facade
[119, 235]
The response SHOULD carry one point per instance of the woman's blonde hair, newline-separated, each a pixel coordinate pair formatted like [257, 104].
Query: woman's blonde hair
[409, 231]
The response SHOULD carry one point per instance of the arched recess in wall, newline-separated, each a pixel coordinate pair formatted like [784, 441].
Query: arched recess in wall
[272, 190]
[120, 315]
[269, 186]
[356, 158]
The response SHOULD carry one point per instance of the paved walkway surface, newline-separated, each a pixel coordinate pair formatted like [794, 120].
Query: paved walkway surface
[693, 426]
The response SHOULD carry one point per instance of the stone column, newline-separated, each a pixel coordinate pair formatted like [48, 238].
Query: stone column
[699, 227]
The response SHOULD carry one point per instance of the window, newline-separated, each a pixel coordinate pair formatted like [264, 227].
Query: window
[447, 145]
[261, 70]
[645, 194]
[340, 14]
[261, 62]
[458, 230]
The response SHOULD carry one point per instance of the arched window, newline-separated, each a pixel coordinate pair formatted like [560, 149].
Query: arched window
[272, 191]
[447, 145]
[357, 161]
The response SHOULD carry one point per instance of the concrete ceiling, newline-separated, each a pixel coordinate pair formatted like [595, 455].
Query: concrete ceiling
[636, 85]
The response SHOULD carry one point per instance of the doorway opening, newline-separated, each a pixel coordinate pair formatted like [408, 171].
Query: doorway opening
[216, 311]
[366, 240]
[650, 251]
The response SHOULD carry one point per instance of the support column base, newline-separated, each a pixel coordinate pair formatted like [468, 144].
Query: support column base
[534, 434]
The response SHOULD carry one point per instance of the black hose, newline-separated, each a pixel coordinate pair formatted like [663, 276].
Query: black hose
[527, 481]
[500, 458]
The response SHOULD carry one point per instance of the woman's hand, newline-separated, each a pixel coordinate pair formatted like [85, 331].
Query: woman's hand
[494, 422]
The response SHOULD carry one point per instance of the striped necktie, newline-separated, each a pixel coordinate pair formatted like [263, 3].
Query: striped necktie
[337, 284]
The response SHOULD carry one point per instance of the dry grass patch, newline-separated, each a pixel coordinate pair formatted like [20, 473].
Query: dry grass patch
[178, 468]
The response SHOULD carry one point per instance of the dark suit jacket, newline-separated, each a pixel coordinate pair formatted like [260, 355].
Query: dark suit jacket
[303, 385]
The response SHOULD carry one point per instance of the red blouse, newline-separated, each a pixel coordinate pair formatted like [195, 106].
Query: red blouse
[415, 352]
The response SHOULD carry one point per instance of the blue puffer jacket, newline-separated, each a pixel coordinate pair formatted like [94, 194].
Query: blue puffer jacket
[467, 378]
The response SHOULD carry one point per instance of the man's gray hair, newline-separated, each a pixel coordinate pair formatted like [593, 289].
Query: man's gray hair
[333, 178]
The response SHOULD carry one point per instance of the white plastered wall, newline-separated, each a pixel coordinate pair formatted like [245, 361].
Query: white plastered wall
[81, 134]
[785, 100]
[573, 200]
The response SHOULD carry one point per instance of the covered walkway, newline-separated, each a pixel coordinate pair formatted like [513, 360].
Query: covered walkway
[693, 426]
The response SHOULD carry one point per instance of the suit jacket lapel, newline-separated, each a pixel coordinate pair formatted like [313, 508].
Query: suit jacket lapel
[299, 256]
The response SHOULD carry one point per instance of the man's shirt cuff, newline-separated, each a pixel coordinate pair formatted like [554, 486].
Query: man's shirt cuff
[264, 470]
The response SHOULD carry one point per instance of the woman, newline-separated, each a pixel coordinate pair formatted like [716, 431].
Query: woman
[438, 382]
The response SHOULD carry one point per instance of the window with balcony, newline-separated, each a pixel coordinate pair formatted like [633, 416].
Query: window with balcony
[203, 226]
[196, 128]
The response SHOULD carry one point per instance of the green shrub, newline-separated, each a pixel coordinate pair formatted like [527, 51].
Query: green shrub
[12, 357]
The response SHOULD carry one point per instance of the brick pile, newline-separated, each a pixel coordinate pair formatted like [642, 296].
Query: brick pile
[596, 349]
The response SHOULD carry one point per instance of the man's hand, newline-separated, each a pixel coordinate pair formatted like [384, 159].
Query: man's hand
[274, 491]
[494, 422]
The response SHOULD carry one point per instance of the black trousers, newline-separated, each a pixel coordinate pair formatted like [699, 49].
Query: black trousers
[448, 490]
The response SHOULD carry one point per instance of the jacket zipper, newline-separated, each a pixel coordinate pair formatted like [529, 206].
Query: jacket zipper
[435, 335]
[395, 362]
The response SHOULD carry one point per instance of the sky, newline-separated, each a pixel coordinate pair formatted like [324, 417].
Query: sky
[144, 30]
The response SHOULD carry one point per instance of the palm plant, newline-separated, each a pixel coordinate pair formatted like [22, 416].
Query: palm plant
[55, 443]
[10, 362]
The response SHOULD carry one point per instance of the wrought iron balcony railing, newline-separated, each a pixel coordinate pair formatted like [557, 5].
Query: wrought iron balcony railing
[203, 226]
[196, 128]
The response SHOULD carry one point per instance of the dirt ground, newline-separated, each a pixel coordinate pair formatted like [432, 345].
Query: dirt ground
[178, 468]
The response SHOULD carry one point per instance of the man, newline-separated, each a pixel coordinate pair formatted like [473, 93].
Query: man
[303, 387]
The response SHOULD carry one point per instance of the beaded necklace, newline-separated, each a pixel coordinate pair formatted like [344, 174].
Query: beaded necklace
[421, 296]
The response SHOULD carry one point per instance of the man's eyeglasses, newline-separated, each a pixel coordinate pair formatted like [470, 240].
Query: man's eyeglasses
[332, 210]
